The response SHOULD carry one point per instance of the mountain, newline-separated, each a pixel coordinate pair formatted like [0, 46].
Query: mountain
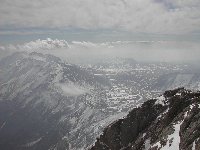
[169, 122]
[46, 103]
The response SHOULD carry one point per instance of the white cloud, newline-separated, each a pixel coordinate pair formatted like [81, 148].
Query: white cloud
[80, 51]
[2, 48]
[152, 16]
[51, 44]
[47, 44]
[72, 89]
[83, 44]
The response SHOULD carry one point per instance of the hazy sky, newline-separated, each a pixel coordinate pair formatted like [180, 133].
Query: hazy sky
[86, 51]
[40, 18]
[171, 28]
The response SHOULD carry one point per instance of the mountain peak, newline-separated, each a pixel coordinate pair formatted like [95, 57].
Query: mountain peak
[169, 122]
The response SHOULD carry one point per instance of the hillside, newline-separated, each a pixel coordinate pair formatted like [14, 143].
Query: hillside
[169, 122]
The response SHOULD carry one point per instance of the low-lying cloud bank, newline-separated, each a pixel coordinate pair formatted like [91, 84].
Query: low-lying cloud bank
[73, 89]
[165, 51]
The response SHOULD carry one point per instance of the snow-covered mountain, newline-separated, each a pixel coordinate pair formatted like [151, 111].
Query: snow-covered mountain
[169, 122]
[46, 103]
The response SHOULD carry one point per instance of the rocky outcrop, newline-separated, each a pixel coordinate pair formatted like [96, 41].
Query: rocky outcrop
[171, 121]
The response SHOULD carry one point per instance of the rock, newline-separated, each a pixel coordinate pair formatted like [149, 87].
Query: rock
[174, 125]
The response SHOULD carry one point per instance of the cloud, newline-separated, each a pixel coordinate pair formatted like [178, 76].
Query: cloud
[51, 44]
[83, 44]
[2, 48]
[72, 89]
[47, 44]
[58, 45]
[86, 51]
[149, 16]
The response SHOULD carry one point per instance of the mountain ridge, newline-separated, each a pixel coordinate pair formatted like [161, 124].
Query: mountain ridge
[38, 109]
[170, 122]
[47, 103]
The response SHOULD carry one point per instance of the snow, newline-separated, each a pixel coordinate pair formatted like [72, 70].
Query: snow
[178, 94]
[85, 119]
[3, 125]
[143, 135]
[193, 145]
[160, 100]
[158, 145]
[162, 114]
[191, 106]
[33, 142]
[147, 144]
[173, 140]
[186, 114]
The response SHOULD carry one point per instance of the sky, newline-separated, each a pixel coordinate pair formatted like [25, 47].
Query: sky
[176, 22]
[39, 17]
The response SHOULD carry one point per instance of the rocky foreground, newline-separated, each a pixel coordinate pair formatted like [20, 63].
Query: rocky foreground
[169, 122]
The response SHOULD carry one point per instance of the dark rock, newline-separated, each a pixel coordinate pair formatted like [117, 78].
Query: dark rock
[150, 126]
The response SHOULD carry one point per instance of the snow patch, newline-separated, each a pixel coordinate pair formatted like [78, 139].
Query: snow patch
[191, 106]
[186, 114]
[143, 135]
[3, 125]
[162, 114]
[147, 144]
[160, 100]
[193, 145]
[178, 94]
[33, 142]
[173, 140]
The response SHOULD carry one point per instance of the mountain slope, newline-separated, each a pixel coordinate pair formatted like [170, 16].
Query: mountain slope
[170, 122]
[45, 103]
